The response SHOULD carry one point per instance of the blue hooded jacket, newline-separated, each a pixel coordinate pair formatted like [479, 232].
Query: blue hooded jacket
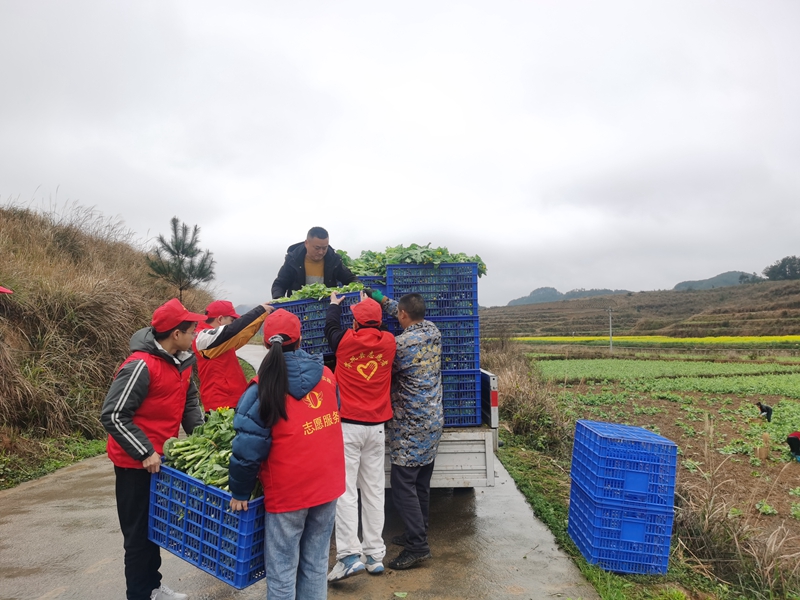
[253, 439]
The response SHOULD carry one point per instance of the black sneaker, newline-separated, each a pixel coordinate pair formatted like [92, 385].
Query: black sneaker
[408, 559]
[399, 540]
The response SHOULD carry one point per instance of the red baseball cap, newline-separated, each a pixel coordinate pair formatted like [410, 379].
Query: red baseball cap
[220, 308]
[171, 314]
[282, 322]
[5, 290]
[367, 312]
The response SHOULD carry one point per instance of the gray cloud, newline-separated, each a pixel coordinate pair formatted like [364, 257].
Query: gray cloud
[578, 144]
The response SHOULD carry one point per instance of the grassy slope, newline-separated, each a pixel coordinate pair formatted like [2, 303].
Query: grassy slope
[81, 288]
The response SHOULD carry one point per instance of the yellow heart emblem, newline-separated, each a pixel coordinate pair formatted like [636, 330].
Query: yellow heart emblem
[367, 370]
[313, 399]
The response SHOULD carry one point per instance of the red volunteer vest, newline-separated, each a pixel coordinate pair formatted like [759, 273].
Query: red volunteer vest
[364, 372]
[159, 416]
[305, 466]
[222, 381]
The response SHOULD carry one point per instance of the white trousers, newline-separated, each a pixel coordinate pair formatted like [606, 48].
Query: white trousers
[364, 448]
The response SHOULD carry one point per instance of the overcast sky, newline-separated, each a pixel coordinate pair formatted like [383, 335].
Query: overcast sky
[614, 144]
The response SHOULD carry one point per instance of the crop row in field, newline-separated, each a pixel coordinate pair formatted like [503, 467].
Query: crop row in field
[624, 369]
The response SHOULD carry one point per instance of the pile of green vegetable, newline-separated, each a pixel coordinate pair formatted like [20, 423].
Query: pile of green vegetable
[318, 291]
[205, 454]
[374, 263]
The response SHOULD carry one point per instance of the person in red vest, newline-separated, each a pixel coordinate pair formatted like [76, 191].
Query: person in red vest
[151, 396]
[793, 440]
[222, 380]
[289, 436]
[364, 356]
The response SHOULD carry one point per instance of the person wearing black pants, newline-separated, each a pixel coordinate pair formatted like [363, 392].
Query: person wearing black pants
[411, 493]
[416, 426]
[151, 396]
[142, 557]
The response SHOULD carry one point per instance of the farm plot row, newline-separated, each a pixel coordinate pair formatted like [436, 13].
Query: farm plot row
[619, 370]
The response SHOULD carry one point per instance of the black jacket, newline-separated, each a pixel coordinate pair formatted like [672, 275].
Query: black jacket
[292, 275]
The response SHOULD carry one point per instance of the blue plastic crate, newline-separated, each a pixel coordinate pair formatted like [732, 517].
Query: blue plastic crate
[461, 398]
[620, 538]
[312, 320]
[461, 344]
[194, 521]
[622, 463]
[374, 282]
[449, 290]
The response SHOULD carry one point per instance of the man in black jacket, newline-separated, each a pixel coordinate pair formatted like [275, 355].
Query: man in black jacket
[312, 261]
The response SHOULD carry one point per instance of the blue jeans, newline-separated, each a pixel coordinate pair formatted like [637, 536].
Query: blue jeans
[296, 552]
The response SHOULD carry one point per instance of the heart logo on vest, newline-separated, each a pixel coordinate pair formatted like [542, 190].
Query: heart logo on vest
[367, 370]
[313, 399]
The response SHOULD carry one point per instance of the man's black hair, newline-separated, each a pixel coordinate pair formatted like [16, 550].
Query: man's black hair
[317, 232]
[414, 305]
[183, 326]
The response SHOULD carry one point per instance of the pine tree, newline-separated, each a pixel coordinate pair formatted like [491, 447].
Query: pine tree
[179, 261]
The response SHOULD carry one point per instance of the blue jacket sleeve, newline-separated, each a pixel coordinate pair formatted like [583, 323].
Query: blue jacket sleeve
[251, 445]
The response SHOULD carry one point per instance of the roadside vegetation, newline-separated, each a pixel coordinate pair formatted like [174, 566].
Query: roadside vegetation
[81, 288]
[736, 534]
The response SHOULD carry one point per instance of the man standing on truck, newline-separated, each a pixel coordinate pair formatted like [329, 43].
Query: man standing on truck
[222, 381]
[364, 356]
[416, 427]
[151, 396]
[312, 261]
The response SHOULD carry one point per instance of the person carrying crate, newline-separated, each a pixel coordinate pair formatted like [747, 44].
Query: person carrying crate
[417, 424]
[289, 436]
[312, 261]
[151, 396]
[364, 357]
[222, 380]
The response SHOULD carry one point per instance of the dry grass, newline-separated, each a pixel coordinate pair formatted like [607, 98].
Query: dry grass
[730, 546]
[528, 404]
[80, 290]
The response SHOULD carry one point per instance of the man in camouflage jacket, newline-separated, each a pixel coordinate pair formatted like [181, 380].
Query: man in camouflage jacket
[416, 427]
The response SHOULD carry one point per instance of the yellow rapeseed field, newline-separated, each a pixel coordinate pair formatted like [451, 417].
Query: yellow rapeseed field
[662, 339]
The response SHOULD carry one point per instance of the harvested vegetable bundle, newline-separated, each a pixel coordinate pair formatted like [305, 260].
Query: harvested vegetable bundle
[374, 263]
[318, 291]
[206, 453]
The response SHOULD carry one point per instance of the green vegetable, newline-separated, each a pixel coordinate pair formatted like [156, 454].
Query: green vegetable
[318, 291]
[206, 454]
[374, 263]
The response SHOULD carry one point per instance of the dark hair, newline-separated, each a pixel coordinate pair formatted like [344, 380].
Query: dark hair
[183, 326]
[414, 305]
[273, 384]
[317, 232]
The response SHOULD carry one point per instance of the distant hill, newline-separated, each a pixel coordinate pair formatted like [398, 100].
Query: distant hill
[722, 280]
[764, 308]
[549, 294]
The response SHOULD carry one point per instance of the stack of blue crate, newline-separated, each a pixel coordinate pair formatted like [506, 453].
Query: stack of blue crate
[450, 291]
[621, 504]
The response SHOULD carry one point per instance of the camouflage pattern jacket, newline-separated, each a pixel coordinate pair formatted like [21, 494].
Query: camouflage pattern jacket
[416, 427]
